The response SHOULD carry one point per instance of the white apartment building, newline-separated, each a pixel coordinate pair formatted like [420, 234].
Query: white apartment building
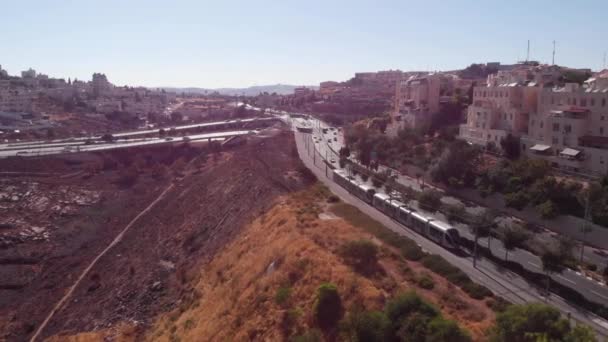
[566, 124]
[570, 129]
[416, 101]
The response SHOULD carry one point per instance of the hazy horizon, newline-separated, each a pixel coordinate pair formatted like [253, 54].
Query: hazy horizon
[242, 44]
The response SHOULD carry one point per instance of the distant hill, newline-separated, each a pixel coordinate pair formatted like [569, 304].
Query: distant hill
[281, 89]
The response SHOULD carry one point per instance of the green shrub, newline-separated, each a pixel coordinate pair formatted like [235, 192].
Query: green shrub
[517, 200]
[430, 200]
[547, 209]
[426, 281]
[282, 295]
[361, 254]
[368, 326]
[455, 212]
[443, 330]
[328, 306]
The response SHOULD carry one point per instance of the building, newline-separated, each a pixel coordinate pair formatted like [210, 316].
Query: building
[100, 84]
[417, 99]
[302, 91]
[563, 123]
[570, 128]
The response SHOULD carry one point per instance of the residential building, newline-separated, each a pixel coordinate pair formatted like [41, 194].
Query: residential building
[100, 84]
[417, 100]
[563, 123]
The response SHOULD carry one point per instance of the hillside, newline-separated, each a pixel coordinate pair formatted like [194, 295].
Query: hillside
[262, 285]
[189, 201]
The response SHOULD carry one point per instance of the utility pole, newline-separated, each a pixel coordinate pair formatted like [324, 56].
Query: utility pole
[586, 228]
[528, 52]
[553, 59]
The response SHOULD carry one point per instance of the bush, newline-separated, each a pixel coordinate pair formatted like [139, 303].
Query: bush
[366, 326]
[426, 282]
[454, 275]
[333, 199]
[454, 212]
[443, 330]
[361, 254]
[408, 315]
[517, 200]
[282, 295]
[364, 177]
[547, 209]
[518, 322]
[430, 200]
[328, 306]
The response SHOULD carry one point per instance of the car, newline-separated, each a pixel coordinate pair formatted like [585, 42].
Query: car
[168, 139]
[332, 160]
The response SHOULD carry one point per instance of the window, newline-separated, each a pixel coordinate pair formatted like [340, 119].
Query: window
[541, 124]
[592, 102]
[583, 102]
[478, 113]
[604, 102]
[555, 127]
[483, 125]
[554, 140]
[602, 118]
[601, 130]
[567, 128]
[489, 136]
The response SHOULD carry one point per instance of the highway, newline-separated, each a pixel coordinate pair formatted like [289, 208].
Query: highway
[55, 148]
[501, 282]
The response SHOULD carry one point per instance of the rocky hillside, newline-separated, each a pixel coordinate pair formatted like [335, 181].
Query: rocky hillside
[264, 285]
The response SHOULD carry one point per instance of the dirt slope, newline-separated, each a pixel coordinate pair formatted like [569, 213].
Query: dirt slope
[149, 270]
[294, 245]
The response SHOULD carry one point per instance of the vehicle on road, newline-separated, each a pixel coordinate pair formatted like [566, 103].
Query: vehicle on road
[168, 139]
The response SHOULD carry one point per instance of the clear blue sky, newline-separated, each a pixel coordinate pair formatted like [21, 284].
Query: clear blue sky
[241, 43]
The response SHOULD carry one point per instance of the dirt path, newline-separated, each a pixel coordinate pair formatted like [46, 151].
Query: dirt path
[84, 273]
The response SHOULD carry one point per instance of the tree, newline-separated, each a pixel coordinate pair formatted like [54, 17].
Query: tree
[344, 152]
[457, 162]
[365, 326]
[512, 238]
[580, 333]
[482, 226]
[524, 322]
[328, 306]
[547, 209]
[553, 262]
[430, 200]
[162, 133]
[443, 330]
[403, 308]
[510, 145]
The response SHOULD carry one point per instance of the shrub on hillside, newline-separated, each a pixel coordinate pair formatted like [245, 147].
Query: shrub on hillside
[282, 295]
[361, 254]
[369, 326]
[453, 274]
[328, 309]
[444, 330]
[426, 281]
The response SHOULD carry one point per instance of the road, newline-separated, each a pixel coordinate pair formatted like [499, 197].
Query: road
[503, 283]
[38, 150]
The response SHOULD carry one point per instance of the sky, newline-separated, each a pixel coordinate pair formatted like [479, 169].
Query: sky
[232, 43]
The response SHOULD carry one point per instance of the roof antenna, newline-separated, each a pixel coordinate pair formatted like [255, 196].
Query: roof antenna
[553, 60]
